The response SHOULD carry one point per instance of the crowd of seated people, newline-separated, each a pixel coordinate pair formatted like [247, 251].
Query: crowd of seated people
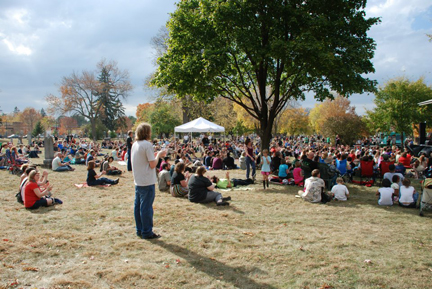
[290, 158]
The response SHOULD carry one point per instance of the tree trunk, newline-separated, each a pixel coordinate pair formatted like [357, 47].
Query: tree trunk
[93, 128]
[185, 111]
[265, 133]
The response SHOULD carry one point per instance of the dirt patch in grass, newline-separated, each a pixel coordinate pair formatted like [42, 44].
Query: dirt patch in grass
[265, 239]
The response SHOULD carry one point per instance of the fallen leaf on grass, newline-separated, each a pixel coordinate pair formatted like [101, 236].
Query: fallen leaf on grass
[430, 269]
[178, 261]
[368, 261]
[92, 258]
[6, 240]
[8, 266]
[167, 266]
[301, 248]
[211, 258]
[326, 286]
[33, 269]
[248, 233]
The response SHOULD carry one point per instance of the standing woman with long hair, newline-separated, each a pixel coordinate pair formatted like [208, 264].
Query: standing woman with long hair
[250, 159]
[144, 160]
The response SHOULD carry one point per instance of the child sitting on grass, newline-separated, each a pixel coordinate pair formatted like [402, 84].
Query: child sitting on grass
[408, 195]
[395, 186]
[340, 191]
[385, 194]
[298, 174]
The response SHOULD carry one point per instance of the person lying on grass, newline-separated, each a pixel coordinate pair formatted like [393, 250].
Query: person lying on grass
[201, 190]
[94, 179]
[35, 196]
[229, 183]
[385, 194]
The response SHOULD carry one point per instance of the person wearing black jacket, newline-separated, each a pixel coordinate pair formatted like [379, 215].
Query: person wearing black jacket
[129, 143]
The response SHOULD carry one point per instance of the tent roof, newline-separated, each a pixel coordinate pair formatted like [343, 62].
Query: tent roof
[199, 125]
[425, 102]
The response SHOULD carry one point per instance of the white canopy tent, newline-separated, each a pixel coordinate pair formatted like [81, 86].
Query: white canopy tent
[199, 125]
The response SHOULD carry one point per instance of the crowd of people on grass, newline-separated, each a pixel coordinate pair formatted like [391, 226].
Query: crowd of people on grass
[183, 168]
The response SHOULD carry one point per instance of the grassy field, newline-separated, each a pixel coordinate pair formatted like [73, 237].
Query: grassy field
[265, 239]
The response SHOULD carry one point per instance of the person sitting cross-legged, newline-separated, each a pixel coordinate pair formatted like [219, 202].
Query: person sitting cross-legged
[58, 165]
[201, 190]
[164, 178]
[35, 196]
[314, 189]
[408, 195]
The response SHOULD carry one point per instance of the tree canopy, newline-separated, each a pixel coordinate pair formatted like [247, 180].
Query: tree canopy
[397, 106]
[262, 54]
[83, 94]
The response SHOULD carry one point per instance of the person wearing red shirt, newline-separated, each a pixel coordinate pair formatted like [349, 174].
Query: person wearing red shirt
[34, 196]
[405, 160]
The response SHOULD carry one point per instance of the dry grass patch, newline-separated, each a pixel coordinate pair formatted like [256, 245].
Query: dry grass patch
[265, 239]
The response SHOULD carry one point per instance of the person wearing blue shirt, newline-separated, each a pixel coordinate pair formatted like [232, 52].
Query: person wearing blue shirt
[283, 170]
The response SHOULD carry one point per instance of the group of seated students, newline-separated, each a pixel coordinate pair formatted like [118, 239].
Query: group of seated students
[194, 186]
[215, 160]
[315, 190]
[35, 191]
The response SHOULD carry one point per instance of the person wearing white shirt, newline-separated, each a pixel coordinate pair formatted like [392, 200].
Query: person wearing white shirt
[144, 161]
[408, 195]
[340, 191]
[385, 194]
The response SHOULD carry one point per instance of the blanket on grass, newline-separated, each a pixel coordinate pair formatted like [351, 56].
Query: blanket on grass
[84, 185]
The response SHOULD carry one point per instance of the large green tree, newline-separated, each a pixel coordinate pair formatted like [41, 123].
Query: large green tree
[397, 106]
[262, 54]
[162, 119]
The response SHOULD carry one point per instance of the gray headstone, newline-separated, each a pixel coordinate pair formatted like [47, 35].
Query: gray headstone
[49, 152]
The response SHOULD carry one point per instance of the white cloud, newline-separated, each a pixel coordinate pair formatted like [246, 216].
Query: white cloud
[20, 49]
[42, 41]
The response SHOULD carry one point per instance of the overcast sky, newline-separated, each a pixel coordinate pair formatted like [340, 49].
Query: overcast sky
[43, 40]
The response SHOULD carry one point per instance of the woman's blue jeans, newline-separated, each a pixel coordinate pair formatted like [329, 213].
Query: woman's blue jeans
[250, 163]
[144, 197]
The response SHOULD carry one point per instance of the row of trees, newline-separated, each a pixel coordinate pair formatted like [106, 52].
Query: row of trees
[396, 110]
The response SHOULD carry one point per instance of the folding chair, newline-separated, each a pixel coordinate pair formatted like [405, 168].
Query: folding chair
[341, 165]
[384, 168]
[327, 175]
[367, 170]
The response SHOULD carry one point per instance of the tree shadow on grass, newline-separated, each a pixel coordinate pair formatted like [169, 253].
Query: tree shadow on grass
[234, 275]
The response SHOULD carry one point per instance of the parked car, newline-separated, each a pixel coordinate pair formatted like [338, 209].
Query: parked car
[13, 136]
